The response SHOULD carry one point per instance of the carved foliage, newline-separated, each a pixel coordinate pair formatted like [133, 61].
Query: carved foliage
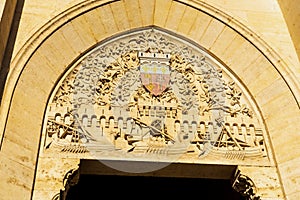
[234, 96]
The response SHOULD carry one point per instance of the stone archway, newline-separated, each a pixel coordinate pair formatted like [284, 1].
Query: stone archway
[53, 50]
[122, 78]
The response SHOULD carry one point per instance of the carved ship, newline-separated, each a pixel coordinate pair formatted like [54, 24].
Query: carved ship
[152, 140]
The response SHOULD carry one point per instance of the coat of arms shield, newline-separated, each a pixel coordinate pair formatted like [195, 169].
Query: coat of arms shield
[155, 77]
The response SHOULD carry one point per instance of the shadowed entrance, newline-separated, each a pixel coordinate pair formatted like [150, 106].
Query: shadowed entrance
[97, 181]
[139, 187]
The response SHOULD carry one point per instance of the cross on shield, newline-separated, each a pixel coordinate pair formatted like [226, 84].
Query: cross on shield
[155, 77]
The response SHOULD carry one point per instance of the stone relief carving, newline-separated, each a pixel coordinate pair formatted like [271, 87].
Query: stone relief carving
[150, 93]
[245, 186]
[70, 179]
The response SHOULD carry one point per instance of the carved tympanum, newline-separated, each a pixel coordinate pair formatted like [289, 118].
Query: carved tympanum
[151, 93]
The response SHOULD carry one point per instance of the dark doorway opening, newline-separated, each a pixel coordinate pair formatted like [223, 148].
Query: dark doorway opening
[96, 187]
[96, 181]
